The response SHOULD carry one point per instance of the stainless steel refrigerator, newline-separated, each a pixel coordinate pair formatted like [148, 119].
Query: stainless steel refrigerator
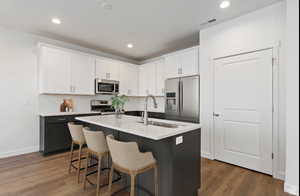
[182, 99]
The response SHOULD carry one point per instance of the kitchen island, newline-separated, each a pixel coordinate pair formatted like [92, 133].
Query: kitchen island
[175, 145]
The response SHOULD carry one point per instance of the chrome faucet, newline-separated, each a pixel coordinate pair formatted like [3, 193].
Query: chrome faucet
[146, 108]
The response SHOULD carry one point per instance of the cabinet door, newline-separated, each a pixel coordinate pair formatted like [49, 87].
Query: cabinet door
[143, 77]
[151, 80]
[160, 78]
[82, 74]
[114, 70]
[102, 69]
[173, 68]
[190, 62]
[57, 137]
[54, 66]
[107, 69]
[129, 79]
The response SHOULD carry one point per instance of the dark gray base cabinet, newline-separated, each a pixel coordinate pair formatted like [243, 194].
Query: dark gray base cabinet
[54, 133]
[178, 165]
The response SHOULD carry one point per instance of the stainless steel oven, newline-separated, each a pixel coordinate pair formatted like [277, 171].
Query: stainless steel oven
[107, 87]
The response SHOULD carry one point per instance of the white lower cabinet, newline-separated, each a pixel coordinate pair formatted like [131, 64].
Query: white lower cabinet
[129, 79]
[64, 72]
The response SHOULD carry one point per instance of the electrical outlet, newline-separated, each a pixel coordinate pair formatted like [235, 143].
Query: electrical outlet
[179, 140]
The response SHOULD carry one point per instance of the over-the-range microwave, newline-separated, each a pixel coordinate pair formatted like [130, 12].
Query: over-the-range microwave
[107, 87]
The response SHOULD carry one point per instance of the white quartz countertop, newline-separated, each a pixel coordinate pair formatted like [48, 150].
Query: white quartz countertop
[132, 125]
[66, 113]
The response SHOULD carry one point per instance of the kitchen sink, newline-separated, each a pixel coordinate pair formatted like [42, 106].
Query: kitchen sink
[161, 124]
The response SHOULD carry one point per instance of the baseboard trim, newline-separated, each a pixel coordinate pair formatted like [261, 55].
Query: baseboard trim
[207, 155]
[291, 189]
[280, 175]
[19, 152]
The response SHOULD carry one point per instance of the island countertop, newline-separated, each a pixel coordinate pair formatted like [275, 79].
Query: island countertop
[133, 125]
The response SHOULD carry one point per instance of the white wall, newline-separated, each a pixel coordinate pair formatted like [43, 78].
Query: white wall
[292, 98]
[258, 30]
[20, 102]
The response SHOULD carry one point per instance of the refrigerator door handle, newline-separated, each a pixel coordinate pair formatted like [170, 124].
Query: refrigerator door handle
[181, 96]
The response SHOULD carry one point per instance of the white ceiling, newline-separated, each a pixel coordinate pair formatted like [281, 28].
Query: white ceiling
[154, 27]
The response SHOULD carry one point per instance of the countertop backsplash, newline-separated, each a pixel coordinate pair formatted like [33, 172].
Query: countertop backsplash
[51, 103]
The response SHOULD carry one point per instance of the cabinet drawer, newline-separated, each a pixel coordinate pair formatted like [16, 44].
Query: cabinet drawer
[58, 119]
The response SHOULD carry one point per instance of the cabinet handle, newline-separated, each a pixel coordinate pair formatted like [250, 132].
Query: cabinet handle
[61, 119]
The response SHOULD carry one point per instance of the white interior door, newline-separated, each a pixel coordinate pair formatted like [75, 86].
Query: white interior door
[243, 110]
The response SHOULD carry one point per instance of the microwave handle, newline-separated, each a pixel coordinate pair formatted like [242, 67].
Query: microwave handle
[116, 90]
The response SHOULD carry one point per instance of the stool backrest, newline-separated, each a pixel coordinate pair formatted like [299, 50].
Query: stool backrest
[124, 154]
[95, 141]
[76, 133]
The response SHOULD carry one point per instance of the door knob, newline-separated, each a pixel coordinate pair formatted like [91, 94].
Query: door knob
[216, 115]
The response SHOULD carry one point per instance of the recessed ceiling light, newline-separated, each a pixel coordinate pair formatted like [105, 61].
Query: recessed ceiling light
[130, 45]
[105, 4]
[56, 21]
[225, 4]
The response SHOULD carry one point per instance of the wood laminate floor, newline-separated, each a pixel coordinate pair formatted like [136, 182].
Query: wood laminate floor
[35, 175]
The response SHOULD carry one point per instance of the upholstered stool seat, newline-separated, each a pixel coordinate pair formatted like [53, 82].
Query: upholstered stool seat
[78, 138]
[128, 159]
[97, 147]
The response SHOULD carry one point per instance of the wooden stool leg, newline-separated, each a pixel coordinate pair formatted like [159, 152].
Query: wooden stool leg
[79, 163]
[156, 180]
[111, 175]
[71, 157]
[86, 170]
[99, 175]
[132, 191]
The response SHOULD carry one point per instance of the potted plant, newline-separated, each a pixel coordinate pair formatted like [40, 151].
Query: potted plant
[118, 103]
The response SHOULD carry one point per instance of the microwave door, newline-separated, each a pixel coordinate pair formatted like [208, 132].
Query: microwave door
[106, 88]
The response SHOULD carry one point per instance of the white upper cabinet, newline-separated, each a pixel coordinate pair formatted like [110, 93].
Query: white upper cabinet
[190, 61]
[147, 79]
[173, 63]
[107, 69]
[83, 74]
[183, 63]
[129, 77]
[64, 72]
[160, 78]
[54, 71]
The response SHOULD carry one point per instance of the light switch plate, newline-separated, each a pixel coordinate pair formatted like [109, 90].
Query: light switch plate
[179, 140]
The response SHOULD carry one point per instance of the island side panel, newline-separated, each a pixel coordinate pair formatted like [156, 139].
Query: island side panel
[162, 151]
[187, 165]
[179, 165]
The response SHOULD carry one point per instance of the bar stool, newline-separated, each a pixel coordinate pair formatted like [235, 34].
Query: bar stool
[77, 139]
[97, 147]
[128, 159]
